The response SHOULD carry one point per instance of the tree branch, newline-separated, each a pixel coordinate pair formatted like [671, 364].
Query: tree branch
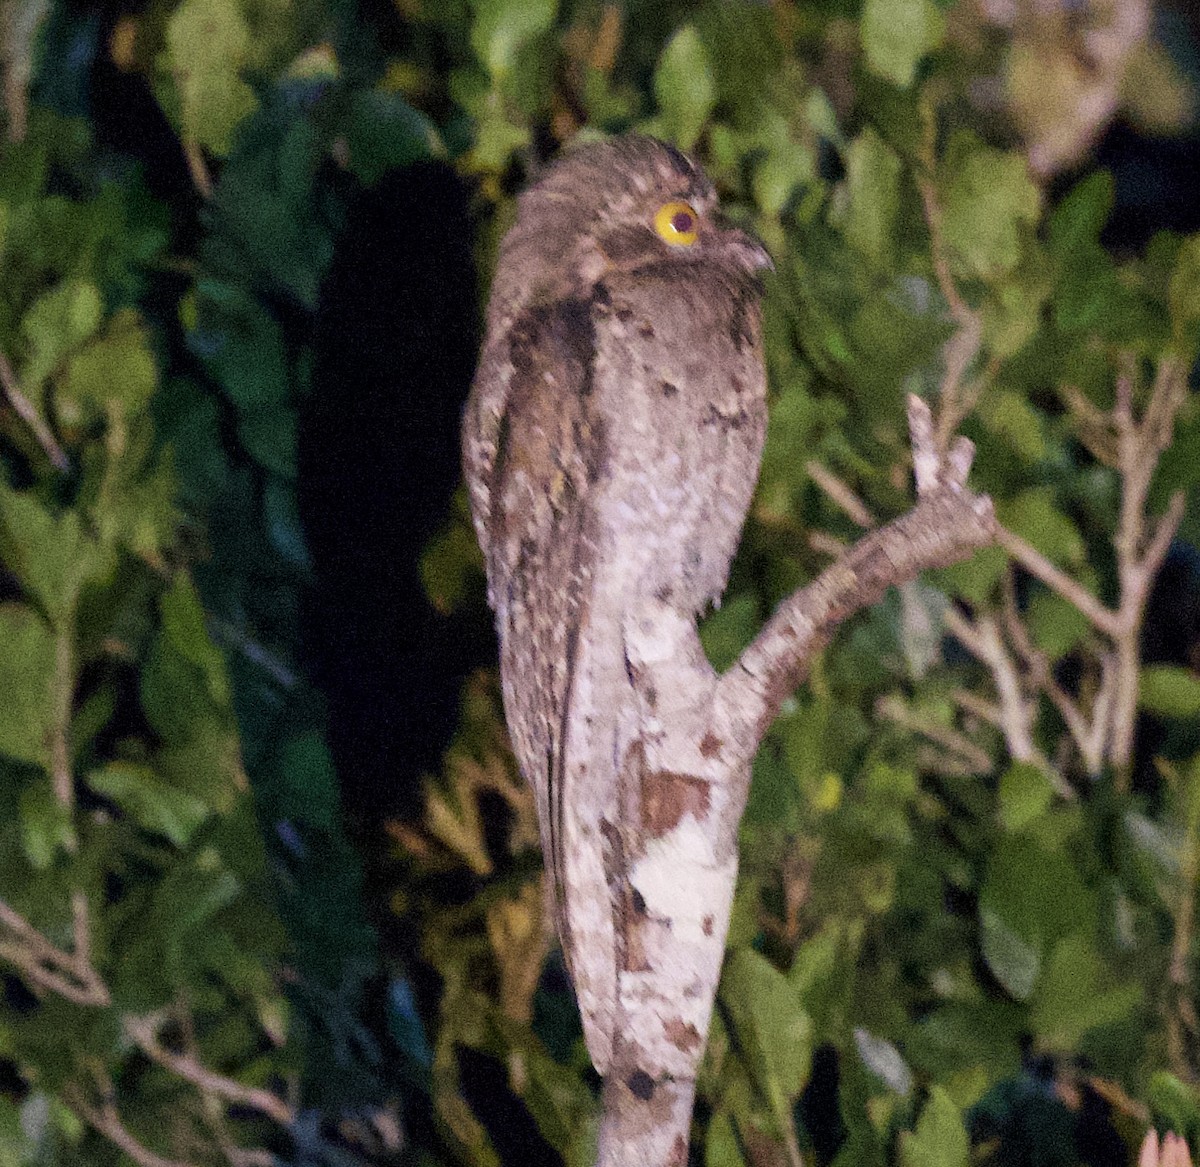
[106, 1119]
[946, 526]
[144, 1033]
[1034, 562]
[684, 788]
[30, 416]
[70, 975]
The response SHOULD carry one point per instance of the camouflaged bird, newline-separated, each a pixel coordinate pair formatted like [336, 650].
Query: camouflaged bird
[611, 445]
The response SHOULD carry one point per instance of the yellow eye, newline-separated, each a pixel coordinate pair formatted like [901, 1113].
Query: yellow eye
[676, 222]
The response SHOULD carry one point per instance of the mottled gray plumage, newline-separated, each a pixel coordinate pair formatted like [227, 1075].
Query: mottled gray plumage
[611, 445]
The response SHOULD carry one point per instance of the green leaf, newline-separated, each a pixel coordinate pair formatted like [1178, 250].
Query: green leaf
[56, 323]
[208, 43]
[721, 1146]
[1014, 961]
[1184, 292]
[1076, 993]
[183, 626]
[1169, 690]
[1012, 315]
[1034, 516]
[988, 200]
[771, 1026]
[383, 131]
[149, 801]
[940, 1139]
[684, 87]
[497, 138]
[501, 27]
[1025, 794]
[1078, 220]
[242, 344]
[974, 578]
[115, 369]
[175, 693]
[307, 790]
[896, 34]
[873, 172]
[50, 556]
[778, 174]
[884, 1061]
[46, 825]
[1031, 896]
[1175, 1104]
[1056, 625]
[269, 436]
[728, 629]
[27, 717]
[1010, 416]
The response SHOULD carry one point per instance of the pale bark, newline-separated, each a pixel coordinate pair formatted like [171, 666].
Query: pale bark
[686, 785]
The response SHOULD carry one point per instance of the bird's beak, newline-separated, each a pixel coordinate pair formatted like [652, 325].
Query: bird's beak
[747, 250]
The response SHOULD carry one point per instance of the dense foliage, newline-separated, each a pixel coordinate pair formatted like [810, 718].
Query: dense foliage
[965, 926]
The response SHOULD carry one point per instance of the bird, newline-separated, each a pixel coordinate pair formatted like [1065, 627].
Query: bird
[611, 444]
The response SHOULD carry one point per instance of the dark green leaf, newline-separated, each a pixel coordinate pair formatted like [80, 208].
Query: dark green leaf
[940, 1139]
[1025, 794]
[149, 801]
[771, 1025]
[896, 34]
[27, 680]
[684, 86]
[1169, 690]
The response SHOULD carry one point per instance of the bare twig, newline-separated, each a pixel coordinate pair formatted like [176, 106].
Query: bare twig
[30, 416]
[975, 758]
[840, 493]
[144, 1033]
[977, 706]
[1034, 562]
[963, 347]
[106, 1119]
[824, 543]
[1134, 448]
[49, 967]
[1139, 447]
[198, 168]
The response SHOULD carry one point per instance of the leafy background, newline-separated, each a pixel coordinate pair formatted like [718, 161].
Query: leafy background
[269, 886]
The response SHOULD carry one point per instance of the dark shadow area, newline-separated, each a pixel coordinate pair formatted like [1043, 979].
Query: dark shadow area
[395, 351]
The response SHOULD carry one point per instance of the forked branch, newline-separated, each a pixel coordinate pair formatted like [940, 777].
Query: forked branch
[679, 830]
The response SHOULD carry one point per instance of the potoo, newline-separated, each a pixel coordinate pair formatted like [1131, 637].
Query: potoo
[611, 445]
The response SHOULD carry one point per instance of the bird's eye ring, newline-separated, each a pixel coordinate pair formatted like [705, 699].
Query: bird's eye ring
[676, 222]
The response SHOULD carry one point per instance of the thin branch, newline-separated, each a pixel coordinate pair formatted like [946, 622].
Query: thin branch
[198, 169]
[1164, 532]
[49, 967]
[106, 1119]
[1034, 562]
[144, 1033]
[1016, 712]
[30, 416]
[963, 347]
[840, 493]
[823, 543]
[975, 757]
[974, 704]
[47, 979]
[1139, 447]
[944, 527]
